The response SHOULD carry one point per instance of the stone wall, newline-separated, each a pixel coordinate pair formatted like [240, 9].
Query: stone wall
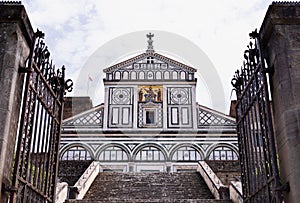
[76, 105]
[15, 40]
[70, 171]
[227, 171]
[281, 44]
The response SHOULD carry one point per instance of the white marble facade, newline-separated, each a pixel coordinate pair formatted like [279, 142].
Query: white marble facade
[150, 120]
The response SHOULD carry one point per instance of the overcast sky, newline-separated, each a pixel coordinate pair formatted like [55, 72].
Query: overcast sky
[76, 29]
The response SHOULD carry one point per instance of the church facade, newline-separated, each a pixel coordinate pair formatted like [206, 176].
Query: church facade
[150, 120]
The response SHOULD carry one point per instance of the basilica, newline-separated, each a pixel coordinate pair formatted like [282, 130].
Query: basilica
[150, 140]
[150, 120]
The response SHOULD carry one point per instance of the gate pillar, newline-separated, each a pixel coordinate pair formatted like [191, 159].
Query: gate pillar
[281, 43]
[15, 39]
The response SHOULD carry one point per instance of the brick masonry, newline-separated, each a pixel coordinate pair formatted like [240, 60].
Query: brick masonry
[70, 171]
[76, 105]
[227, 171]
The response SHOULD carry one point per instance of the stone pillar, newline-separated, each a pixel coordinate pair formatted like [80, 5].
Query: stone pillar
[280, 34]
[15, 36]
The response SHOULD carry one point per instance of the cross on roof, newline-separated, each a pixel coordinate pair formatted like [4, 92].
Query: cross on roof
[150, 41]
[150, 35]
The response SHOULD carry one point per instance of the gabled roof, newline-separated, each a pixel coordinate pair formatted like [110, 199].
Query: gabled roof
[210, 117]
[207, 118]
[144, 55]
[89, 118]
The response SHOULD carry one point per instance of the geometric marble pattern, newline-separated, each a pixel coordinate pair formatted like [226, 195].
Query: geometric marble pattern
[206, 117]
[120, 95]
[209, 118]
[90, 118]
[157, 108]
[179, 95]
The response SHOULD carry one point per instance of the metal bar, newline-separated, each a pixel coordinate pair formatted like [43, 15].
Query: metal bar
[41, 193]
[20, 139]
[46, 158]
[34, 134]
[38, 146]
[252, 121]
[260, 176]
[258, 152]
[27, 146]
[45, 81]
[36, 162]
[270, 124]
[60, 113]
[43, 151]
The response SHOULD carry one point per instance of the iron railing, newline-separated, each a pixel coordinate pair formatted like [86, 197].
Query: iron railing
[36, 157]
[258, 157]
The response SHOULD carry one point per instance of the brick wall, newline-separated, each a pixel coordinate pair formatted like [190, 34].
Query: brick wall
[232, 111]
[226, 170]
[70, 171]
[76, 105]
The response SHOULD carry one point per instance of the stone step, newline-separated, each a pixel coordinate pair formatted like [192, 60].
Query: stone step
[153, 187]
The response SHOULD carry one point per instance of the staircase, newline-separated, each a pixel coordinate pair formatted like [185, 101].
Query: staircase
[148, 187]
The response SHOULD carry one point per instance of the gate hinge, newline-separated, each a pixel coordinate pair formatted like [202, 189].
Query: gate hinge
[25, 70]
[7, 188]
[285, 187]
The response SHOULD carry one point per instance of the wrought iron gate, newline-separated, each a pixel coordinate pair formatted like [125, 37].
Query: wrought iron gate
[258, 157]
[36, 157]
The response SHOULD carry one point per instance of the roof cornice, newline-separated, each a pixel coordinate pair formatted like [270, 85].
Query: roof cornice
[144, 55]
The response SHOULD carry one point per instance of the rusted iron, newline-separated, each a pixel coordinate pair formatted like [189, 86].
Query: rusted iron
[36, 157]
[258, 156]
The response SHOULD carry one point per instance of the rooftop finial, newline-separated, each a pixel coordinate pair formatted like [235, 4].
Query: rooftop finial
[150, 41]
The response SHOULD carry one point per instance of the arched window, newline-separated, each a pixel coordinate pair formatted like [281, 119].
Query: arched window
[125, 75]
[166, 75]
[113, 153]
[186, 154]
[175, 75]
[150, 154]
[182, 75]
[76, 153]
[223, 153]
[133, 75]
[141, 75]
[109, 76]
[117, 75]
[158, 75]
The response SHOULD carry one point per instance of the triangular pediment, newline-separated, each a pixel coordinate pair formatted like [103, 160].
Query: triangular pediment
[148, 59]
